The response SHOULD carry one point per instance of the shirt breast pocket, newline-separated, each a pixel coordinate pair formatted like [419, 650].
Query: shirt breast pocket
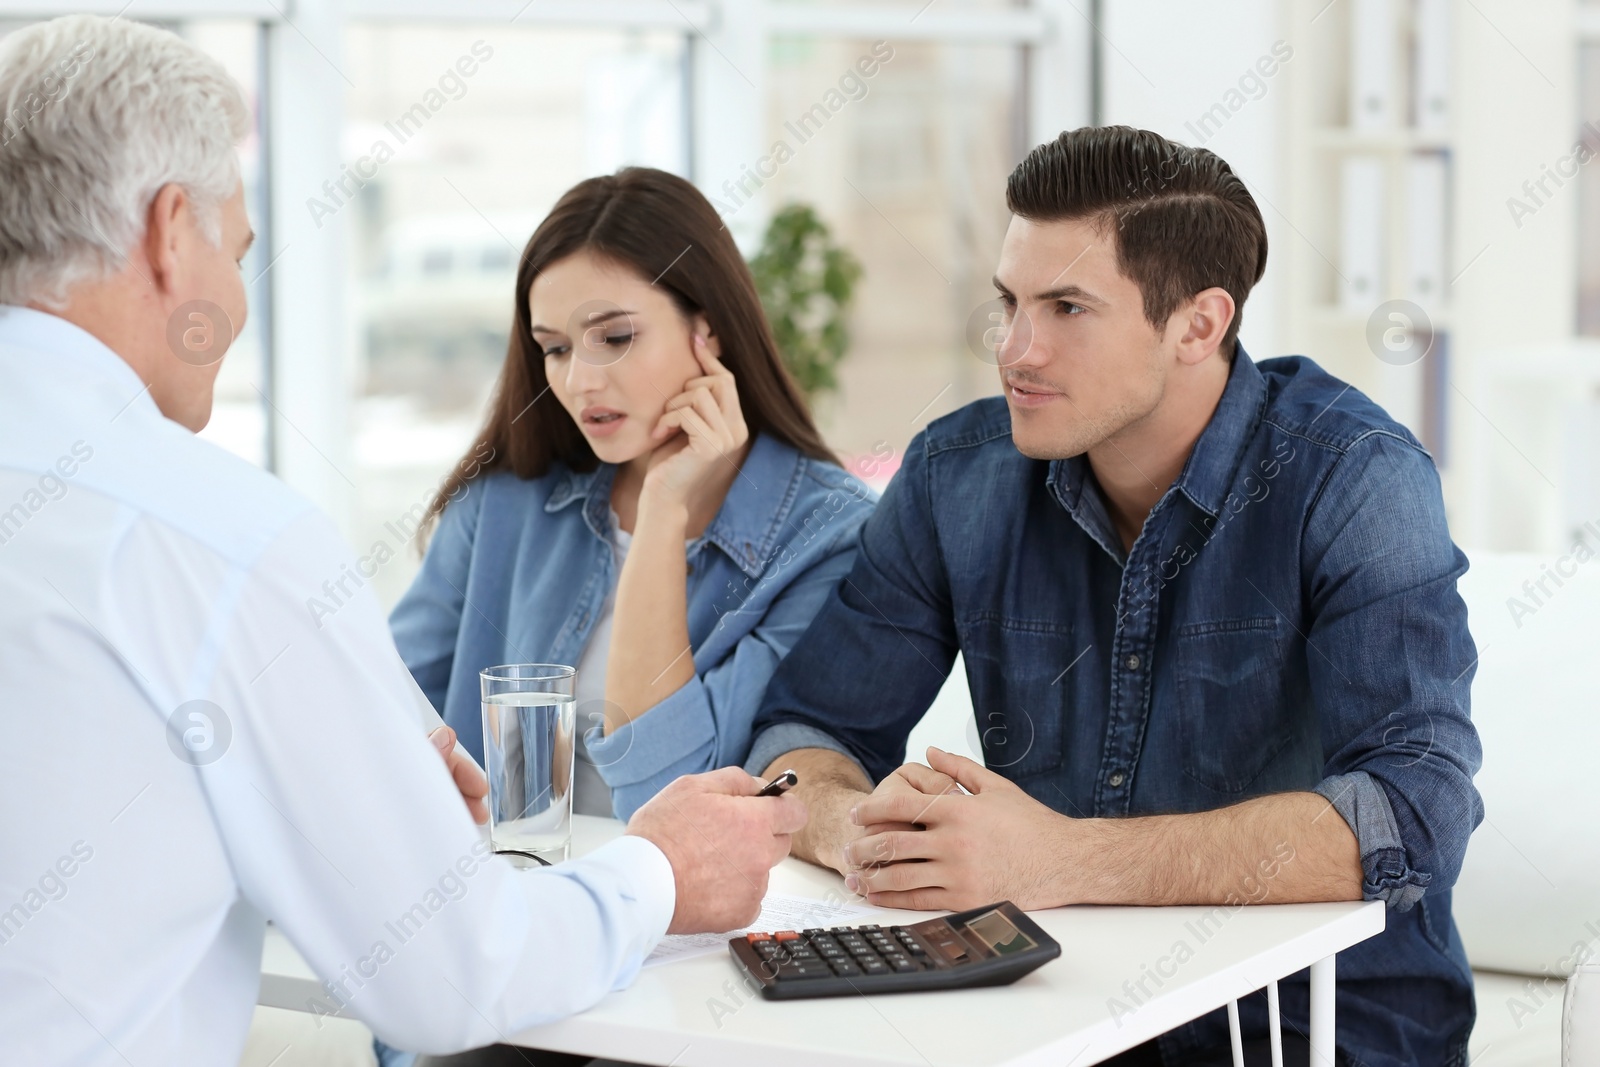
[1012, 667]
[1232, 712]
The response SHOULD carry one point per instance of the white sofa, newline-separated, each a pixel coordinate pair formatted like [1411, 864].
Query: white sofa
[1528, 901]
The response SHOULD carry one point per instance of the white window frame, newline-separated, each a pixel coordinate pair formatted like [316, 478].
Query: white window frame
[306, 326]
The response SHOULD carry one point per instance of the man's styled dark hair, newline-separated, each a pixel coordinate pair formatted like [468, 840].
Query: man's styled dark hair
[1182, 220]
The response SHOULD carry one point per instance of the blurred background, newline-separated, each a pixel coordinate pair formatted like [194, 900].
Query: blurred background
[1421, 165]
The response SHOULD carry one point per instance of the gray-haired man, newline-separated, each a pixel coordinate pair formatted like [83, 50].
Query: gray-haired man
[188, 753]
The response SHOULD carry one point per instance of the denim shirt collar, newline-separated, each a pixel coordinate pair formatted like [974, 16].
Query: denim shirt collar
[1210, 468]
[1216, 455]
[747, 527]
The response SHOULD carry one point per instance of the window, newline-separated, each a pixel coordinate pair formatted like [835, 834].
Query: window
[463, 166]
[909, 172]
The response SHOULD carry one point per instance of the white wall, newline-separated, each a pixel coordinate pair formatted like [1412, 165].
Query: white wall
[1168, 61]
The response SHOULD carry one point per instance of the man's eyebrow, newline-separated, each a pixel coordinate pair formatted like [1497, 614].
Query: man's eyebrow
[1074, 293]
[595, 319]
[1065, 292]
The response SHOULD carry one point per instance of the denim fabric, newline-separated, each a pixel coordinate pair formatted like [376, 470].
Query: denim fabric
[1287, 619]
[518, 571]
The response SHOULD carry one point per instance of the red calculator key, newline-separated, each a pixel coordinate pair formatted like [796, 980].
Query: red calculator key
[753, 938]
[786, 935]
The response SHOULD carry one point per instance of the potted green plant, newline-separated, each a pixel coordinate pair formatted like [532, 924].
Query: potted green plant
[806, 282]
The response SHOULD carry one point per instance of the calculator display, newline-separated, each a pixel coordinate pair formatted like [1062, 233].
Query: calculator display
[996, 931]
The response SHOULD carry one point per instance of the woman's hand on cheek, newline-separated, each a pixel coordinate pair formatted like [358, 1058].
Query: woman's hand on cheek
[700, 434]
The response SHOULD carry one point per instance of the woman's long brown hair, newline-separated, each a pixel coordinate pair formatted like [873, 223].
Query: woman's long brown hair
[658, 225]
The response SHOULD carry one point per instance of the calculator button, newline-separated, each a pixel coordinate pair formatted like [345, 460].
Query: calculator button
[815, 931]
[766, 950]
[869, 927]
[915, 949]
[874, 966]
[902, 965]
[832, 952]
[791, 971]
[786, 935]
[753, 938]
[844, 968]
[863, 951]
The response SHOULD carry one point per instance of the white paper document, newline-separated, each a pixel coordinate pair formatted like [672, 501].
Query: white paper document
[778, 912]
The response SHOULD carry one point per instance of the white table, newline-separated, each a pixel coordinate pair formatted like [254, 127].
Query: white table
[1078, 1009]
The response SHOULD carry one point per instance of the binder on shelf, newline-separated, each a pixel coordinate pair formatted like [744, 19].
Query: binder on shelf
[1373, 51]
[1427, 224]
[1430, 72]
[1361, 233]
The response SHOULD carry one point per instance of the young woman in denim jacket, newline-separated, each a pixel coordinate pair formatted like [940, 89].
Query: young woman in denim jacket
[649, 499]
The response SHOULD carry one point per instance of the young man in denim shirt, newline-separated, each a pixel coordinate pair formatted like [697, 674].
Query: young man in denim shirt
[1207, 608]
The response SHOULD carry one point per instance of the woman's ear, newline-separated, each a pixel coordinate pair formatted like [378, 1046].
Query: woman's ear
[700, 325]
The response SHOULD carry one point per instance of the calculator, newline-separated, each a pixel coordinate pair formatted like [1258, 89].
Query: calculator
[992, 945]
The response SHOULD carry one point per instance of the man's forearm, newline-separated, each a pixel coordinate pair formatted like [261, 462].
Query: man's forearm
[830, 784]
[1285, 848]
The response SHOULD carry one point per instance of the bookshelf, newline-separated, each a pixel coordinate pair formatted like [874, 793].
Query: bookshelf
[1370, 162]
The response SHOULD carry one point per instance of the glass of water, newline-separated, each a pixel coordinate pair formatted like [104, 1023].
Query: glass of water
[528, 721]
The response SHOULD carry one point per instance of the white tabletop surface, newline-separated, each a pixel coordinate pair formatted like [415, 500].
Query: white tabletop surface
[1077, 1009]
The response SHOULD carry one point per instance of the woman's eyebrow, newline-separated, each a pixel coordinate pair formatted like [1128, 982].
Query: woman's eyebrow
[595, 318]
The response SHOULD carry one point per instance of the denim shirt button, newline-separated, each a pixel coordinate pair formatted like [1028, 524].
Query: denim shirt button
[1116, 779]
[1132, 663]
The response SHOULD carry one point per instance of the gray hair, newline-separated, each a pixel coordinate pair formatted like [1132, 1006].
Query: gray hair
[96, 115]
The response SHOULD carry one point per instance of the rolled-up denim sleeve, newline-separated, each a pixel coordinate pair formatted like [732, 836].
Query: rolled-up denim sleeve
[706, 723]
[875, 657]
[1391, 664]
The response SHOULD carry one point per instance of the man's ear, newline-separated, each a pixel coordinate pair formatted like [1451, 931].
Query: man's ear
[1204, 321]
[171, 212]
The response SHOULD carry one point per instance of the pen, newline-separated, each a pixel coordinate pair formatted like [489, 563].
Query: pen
[781, 784]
